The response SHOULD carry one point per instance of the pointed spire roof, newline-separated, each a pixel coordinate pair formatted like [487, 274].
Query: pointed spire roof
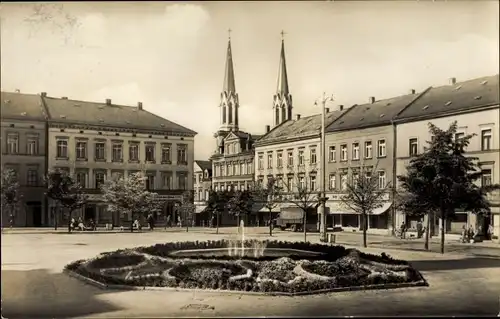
[229, 83]
[282, 75]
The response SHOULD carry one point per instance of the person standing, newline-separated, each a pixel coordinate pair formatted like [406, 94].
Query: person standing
[403, 230]
[490, 232]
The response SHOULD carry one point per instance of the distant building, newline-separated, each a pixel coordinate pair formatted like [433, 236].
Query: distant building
[100, 141]
[202, 187]
[474, 104]
[24, 145]
[233, 159]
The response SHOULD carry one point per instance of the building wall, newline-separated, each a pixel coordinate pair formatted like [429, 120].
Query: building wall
[161, 170]
[31, 209]
[471, 123]
[383, 163]
[308, 146]
[221, 178]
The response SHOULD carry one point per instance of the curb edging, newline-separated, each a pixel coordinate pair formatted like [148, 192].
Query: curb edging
[100, 285]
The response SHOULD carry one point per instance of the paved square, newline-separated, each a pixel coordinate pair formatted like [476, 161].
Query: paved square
[33, 285]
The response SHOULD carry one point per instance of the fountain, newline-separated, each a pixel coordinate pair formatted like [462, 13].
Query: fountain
[256, 248]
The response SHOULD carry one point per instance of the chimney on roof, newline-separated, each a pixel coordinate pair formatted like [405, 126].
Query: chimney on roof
[341, 107]
[108, 101]
[268, 128]
[139, 105]
[44, 94]
[412, 91]
[327, 110]
[372, 99]
[297, 117]
[64, 98]
[18, 91]
[453, 81]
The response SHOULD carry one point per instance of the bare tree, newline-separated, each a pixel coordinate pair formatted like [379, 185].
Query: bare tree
[187, 208]
[302, 191]
[270, 197]
[363, 194]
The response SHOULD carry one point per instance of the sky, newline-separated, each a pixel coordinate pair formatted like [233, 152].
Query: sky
[171, 56]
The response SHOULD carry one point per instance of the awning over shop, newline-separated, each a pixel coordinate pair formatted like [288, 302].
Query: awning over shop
[381, 210]
[200, 209]
[339, 210]
[275, 209]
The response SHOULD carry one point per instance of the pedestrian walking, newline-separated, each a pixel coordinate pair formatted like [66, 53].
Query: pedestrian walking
[403, 230]
[490, 232]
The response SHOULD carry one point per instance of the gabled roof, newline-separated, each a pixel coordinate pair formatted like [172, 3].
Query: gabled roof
[305, 127]
[204, 165]
[22, 106]
[242, 135]
[445, 99]
[372, 114]
[95, 113]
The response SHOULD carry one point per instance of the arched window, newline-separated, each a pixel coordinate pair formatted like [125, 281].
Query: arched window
[277, 116]
[224, 121]
[283, 114]
[230, 111]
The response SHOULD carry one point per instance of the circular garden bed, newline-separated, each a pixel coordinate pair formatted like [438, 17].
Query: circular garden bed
[283, 267]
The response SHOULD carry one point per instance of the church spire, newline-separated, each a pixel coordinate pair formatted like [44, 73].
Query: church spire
[282, 101]
[229, 103]
[229, 83]
[282, 75]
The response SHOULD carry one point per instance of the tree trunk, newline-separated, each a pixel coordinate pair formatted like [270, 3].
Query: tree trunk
[56, 213]
[443, 229]
[270, 223]
[363, 217]
[69, 221]
[427, 231]
[132, 224]
[217, 230]
[304, 226]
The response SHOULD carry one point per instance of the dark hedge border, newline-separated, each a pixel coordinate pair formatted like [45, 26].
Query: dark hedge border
[123, 257]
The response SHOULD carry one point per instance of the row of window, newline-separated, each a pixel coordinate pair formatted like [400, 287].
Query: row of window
[313, 157]
[233, 169]
[82, 177]
[232, 187]
[117, 151]
[486, 141]
[32, 144]
[201, 195]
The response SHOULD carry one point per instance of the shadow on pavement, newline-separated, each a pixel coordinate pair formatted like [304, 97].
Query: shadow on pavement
[454, 264]
[41, 294]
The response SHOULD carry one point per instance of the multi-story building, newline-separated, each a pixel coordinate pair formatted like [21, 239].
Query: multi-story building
[363, 139]
[23, 150]
[290, 154]
[474, 104]
[202, 187]
[100, 141]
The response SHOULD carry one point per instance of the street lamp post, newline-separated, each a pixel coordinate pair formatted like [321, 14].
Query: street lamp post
[323, 198]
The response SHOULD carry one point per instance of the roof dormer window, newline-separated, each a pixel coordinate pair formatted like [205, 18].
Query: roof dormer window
[447, 103]
[477, 97]
[425, 107]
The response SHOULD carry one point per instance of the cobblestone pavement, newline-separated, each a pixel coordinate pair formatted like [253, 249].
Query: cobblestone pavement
[33, 285]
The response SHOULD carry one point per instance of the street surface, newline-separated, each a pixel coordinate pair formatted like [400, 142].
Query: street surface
[464, 281]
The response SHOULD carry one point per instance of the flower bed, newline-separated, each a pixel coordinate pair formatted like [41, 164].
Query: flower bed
[333, 267]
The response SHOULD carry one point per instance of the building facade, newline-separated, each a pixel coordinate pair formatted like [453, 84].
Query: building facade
[474, 104]
[101, 141]
[23, 124]
[362, 139]
[290, 154]
[202, 187]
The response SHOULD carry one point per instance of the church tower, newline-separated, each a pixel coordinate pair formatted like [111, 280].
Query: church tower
[282, 100]
[229, 103]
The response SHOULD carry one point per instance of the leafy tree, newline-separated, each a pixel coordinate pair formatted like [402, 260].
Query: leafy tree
[363, 195]
[187, 208]
[66, 192]
[129, 196]
[301, 193]
[217, 204]
[240, 204]
[10, 194]
[443, 178]
[270, 196]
